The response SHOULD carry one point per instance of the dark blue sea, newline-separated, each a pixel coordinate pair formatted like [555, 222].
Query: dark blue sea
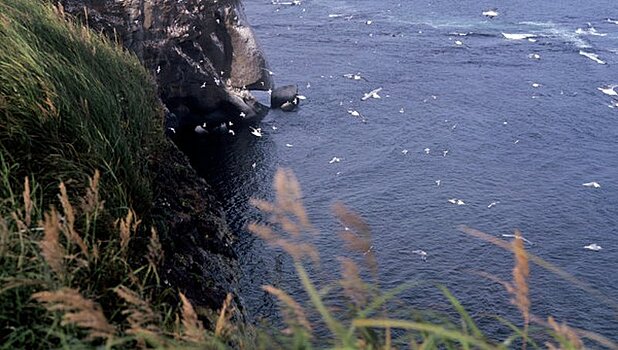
[521, 123]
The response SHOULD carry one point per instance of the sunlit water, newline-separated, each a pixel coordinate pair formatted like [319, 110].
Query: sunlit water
[524, 132]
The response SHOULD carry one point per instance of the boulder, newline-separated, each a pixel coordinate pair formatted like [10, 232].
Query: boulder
[285, 97]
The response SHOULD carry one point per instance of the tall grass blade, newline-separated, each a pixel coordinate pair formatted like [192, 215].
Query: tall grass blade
[462, 312]
[425, 327]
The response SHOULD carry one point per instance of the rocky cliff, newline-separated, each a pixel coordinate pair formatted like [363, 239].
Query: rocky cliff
[203, 54]
[205, 60]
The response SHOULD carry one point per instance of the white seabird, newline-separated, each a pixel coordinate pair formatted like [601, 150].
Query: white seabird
[334, 160]
[456, 201]
[427, 150]
[422, 253]
[592, 184]
[609, 90]
[595, 247]
[493, 204]
[356, 76]
[404, 152]
[372, 94]
[257, 132]
[493, 13]
[355, 113]
[519, 237]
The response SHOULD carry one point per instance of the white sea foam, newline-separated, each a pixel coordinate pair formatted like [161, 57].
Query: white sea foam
[538, 24]
[568, 36]
[518, 36]
[589, 31]
[592, 56]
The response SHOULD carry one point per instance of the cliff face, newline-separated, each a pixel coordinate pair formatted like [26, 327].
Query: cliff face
[204, 58]
[203, 53]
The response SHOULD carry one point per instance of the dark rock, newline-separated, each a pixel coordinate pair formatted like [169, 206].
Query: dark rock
[285, 97]
[202, 53]
[197, 244]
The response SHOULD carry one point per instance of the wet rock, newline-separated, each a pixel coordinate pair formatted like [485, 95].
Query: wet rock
[285, 97]
[197, 243]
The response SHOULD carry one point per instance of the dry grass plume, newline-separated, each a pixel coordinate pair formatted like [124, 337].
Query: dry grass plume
[225, 314]
[140, 316]
[193, 329]
[69, 218]
[78, 311]
[294, 314]
[51, 249]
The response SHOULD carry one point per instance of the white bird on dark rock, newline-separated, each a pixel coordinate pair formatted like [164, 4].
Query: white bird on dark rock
[201, 129]
[257, 132]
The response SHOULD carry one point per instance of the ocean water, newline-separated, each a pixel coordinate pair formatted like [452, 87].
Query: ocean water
[460, 104]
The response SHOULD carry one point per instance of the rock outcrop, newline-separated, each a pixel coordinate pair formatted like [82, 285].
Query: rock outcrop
[202, 53]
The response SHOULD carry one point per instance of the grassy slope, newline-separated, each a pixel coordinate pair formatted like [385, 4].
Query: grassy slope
[72, 103]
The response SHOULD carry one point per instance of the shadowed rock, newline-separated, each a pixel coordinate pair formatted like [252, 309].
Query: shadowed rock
[202, 53]
[285, 97]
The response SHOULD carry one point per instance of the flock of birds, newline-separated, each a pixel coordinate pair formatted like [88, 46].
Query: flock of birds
[609, 90]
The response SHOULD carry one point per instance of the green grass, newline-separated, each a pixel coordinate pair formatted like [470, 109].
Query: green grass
[70, 103]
